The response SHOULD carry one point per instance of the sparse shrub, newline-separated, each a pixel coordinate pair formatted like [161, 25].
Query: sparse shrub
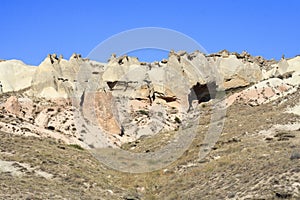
[160, 114]
[177, 120]
[76, 146]
[144, 112]
[295, 155]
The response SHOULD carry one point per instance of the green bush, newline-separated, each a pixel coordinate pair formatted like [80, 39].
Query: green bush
[76, 146]
[144, 112]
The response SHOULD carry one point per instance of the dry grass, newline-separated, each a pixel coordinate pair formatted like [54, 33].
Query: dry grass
[242, 163]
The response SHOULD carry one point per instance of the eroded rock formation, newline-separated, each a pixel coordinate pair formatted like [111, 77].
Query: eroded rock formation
[126, 99]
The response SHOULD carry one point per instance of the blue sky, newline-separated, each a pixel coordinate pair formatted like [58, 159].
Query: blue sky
[31, 29]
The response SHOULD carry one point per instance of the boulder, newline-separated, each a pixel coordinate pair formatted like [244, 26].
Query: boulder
[13, 106]
[282, 67]
[236, 74]
[294, 65]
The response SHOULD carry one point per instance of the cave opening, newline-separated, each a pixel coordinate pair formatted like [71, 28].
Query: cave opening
[111, 84]
[202, 92]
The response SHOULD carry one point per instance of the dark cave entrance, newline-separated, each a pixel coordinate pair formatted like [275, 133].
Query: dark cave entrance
[111, 84]
[202, 93]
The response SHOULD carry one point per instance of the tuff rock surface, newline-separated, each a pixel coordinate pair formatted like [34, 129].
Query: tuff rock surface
[125, 99]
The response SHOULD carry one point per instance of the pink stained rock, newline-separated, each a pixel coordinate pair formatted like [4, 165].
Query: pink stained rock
[13, 106]
[232, 98]
[283, 88]
[251, 94]
[98, 109]
[268, 92]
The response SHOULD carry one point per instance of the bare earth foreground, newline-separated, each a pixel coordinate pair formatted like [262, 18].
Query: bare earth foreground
[256, 157]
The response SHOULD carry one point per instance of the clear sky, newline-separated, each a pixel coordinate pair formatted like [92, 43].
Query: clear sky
[31, 29]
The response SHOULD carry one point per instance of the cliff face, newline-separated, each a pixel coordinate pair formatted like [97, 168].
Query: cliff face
[56, 77]
[127, 99]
